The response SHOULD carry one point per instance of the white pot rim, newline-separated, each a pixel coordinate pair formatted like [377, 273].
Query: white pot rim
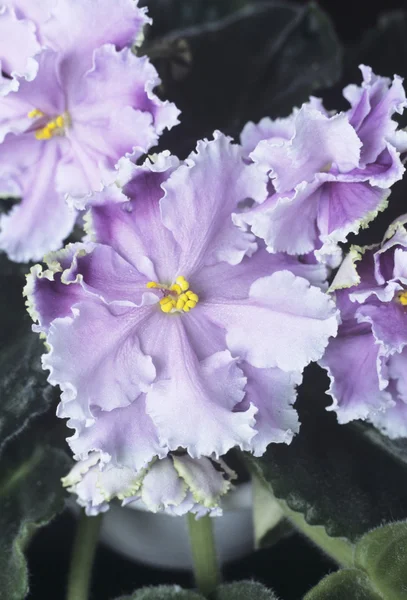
[162, 540]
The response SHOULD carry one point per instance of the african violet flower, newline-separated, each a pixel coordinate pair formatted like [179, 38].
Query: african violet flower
[64, 132]
[329, 174]
[367, 362]
[170, 328]
[176, 485]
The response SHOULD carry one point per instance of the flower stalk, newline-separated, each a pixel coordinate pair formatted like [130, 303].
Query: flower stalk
[202, 541]
[83, 554]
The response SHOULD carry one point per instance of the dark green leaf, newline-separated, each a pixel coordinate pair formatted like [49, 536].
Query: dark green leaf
[348, 584]
[259, 61]
[397, 449]
[176, 14]
[382, 554]
[24, 390]
[334, 474]
[12, 309]
[243, 590]
[30, 495]
[163, 592]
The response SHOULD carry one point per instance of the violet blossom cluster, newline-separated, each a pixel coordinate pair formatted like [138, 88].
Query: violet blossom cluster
[74, 100]
[329, 174]
[176, 485]
[367, 361]
[179, 328]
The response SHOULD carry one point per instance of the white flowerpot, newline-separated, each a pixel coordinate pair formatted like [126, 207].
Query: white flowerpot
[162, 540]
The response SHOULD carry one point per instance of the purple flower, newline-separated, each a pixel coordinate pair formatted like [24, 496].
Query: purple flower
[63, 133]
[367, 362]
[329, 175]
[169, 327]
[176, 485]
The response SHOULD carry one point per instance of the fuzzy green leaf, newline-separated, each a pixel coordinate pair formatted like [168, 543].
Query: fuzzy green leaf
[163, 592]
[348, 584]
[382, 554]
[243, 590]
[31, 494]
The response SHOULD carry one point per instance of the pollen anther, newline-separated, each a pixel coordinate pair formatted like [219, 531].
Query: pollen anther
[192, 296]
[401, 297]
[183, 283]
[180, 304]
[167, 307]
[33, 114]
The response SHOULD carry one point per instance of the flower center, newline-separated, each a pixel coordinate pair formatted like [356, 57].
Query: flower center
[401, 297]
[49, 128]
[177, 297]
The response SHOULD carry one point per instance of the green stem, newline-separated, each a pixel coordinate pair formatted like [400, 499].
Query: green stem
[202, 541]
[83, 553]
[340, 549]
[268, 516]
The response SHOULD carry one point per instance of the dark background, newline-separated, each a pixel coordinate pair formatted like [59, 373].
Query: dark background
[293, 565]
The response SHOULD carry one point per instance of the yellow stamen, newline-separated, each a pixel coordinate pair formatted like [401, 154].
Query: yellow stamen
[183, 283]
[402, 298]
[33, 114]
[180, 303]
[167, 307]
[43, 134]
[55, 126]
[192, 296]
[179, 297]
